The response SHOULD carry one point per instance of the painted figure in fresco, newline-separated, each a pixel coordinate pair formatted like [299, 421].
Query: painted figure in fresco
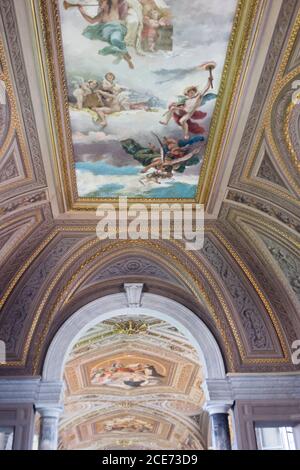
[160, 162]
[103, 98]
[130, 376]
[109, 84]
[134, 24]
[152, 23]
[127, 425]
[123, 23]
[109, 26]
[84, 90]
[143, 20]
[185, 111]
[161, 169]
[112, 105]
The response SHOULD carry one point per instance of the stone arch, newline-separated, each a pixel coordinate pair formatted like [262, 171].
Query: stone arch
[114, 305]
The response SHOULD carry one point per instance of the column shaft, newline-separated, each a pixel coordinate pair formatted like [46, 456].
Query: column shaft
[220, 431]
[48, 438]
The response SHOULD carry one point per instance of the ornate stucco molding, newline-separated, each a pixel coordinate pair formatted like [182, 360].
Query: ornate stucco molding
[288, 262]
[85, 255]
[270, 120]
[266, 207]
[246, 228]
[10, 26]
[281, 30]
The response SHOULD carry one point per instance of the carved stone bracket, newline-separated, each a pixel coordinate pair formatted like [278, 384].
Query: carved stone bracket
[133, 294]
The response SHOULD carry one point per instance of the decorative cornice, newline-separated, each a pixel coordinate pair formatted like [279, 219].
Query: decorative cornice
[266, 207]
[30, 390]
[253, 387]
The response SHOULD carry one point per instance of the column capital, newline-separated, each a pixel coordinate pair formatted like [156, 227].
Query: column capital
[216, 407]
[49, 426]
[48, 411]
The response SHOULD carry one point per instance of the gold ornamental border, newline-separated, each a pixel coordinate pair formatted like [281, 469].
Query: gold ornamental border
[280, 82]
[289, 116]
[13, 221]
[260, 294]
[15, 127]
[47, 19]
[196, 288]
[199, 293]
[259, 225]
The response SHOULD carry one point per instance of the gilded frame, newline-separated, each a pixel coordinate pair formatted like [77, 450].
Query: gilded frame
[50, 51]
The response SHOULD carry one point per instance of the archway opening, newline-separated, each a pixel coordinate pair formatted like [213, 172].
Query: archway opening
[133, 365]
[133, 382]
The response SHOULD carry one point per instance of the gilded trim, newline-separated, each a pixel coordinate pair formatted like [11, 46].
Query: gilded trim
[15, 126]
[198, 291]
[242, 26]
[258, 291]
[280, 81]
[295, 159]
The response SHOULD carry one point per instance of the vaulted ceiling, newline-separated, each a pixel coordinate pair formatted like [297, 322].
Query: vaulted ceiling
[244, 283]
[136, 382]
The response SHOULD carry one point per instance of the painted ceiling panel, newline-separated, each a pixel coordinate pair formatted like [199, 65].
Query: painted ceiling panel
[142, 81]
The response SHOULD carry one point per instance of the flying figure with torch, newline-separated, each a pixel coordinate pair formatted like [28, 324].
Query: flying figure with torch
[186, 111]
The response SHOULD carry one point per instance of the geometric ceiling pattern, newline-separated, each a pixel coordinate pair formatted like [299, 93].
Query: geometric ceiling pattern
[135, 384]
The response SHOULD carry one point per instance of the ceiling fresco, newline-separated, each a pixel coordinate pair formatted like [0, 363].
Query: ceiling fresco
[126, 374]
[137, 378]
[142, 79]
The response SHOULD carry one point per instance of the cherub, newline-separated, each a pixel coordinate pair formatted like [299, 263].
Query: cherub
[112, 105]
[83, 90]
[152, 23]
[108, 83]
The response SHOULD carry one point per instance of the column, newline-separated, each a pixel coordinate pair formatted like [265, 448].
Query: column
[296, 431]
[48, 439]
[218, 413]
